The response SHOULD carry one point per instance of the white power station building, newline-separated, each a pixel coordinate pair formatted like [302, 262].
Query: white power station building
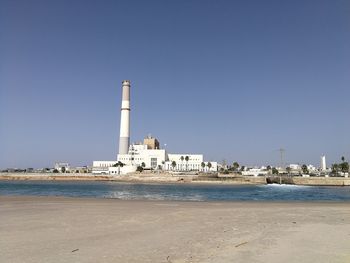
[147, 155]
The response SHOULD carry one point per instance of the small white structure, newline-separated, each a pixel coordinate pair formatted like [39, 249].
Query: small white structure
[255, 172]
[323, 163]
[295, 167]
[111, 168]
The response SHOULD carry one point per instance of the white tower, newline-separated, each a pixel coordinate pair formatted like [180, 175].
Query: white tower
[323, 163]
[124, 139]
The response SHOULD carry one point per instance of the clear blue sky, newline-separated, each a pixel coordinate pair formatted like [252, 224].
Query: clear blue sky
[234, 80]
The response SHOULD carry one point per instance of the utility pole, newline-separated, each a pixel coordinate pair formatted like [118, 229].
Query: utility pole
[282, 151]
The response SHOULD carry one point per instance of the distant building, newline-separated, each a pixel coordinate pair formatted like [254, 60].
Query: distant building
[62, 167]
[151, 142]
[80, 169]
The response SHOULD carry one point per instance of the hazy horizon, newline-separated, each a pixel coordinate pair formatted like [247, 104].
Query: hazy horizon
[235, 81]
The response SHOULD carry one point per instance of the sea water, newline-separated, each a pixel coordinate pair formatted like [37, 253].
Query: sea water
[185, 192]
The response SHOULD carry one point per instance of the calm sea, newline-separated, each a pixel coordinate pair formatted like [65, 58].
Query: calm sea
[189, 192]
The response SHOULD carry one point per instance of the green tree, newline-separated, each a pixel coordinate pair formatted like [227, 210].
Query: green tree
[304, 169]
[274, 170]
[182, 161]
[335, 169]
[139, 169]
[344, 166]
[63, 169]
[119, 163]
[343, 159]
[143, 165]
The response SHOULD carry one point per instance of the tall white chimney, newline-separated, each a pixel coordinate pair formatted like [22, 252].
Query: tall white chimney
[124, 139]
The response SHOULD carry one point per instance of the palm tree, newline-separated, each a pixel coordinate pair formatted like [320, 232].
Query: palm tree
[182, 160]
[209, 165]
[186, 159]
[235, 166]
[203, 165]
[344, 166]
[173, 164]
[143, 165]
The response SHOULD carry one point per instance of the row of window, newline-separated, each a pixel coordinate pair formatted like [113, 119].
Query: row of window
[106, 164]
[183, 166]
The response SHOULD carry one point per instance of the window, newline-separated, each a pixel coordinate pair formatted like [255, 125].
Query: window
[153, 162]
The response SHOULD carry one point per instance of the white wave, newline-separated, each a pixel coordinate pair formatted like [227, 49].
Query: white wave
[126, 195]
[287, 186]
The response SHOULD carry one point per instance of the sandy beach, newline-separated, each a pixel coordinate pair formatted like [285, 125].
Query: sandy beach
[57, 229]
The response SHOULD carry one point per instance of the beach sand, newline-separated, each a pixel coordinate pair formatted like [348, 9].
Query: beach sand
[57, 229]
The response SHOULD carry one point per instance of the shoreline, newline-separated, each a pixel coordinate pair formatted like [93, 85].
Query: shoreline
[35, 198]
[133, 178]
[178, 179]
[66, 229]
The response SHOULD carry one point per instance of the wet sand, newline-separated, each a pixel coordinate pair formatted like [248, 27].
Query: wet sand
[57, 229]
